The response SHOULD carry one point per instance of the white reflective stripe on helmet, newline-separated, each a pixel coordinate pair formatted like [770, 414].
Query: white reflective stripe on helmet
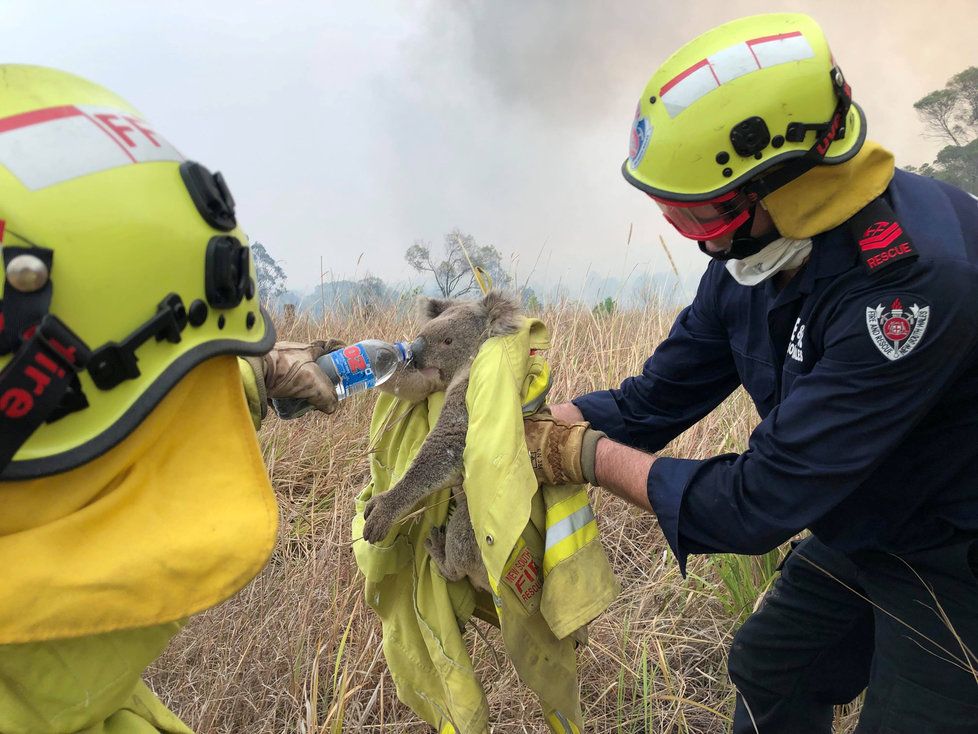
[730, 63]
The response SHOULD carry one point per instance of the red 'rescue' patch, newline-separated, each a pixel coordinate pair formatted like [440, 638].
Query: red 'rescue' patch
[882, 240]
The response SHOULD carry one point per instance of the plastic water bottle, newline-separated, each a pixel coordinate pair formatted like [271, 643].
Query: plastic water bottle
[352, 369]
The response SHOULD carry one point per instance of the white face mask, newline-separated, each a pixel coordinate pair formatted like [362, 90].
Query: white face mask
[782, 254]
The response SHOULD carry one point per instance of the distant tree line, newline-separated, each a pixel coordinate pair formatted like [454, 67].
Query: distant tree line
[951, 116]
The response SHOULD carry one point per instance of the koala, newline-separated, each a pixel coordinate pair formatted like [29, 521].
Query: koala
[451, 338]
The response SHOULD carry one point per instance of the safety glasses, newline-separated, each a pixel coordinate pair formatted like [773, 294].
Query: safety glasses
[707, 220]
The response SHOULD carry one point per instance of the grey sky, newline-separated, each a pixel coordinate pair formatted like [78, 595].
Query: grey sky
[349, 129]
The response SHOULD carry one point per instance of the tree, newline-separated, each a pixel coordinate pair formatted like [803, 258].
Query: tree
[965, 83]
[271, 277]
[607, 307]
[528, 300]
[453, 276]
[938, 110]
[370, 294]
[951, 114]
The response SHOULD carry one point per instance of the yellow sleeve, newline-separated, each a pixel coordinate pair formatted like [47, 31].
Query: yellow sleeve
[254, 387]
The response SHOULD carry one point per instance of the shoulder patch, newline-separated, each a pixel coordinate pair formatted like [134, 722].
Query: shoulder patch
[881, 239]
[895, 328]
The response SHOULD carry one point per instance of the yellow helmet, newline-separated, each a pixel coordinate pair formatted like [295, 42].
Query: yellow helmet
[757, 95]
[123, 268]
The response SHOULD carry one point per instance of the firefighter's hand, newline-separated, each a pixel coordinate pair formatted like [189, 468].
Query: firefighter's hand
[290, 371]
[561, 452]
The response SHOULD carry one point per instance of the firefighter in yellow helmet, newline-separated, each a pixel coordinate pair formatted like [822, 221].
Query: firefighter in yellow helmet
[132, 490]
[841, 297]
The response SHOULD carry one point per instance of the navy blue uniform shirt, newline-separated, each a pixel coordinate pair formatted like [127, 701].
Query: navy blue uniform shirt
[866, 384]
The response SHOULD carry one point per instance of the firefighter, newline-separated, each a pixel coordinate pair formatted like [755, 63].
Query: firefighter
[841, 295]
[132, 487]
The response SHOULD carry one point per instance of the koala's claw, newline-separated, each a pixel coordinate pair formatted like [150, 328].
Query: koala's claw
[378, 520]
[435, 543]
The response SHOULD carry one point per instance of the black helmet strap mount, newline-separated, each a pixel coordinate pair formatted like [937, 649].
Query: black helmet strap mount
[40, 383]
[825, 132]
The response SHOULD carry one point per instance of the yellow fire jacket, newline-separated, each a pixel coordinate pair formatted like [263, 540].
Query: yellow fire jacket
[546, 566]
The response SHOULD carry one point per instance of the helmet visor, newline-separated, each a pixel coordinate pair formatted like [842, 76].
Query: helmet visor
[705, 220]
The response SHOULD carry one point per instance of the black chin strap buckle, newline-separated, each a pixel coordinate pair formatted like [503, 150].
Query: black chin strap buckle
[115, 362]
[797, 131]
[833, 128]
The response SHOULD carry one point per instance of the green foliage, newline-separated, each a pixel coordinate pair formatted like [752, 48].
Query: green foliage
[745, 579]
[453, 275]
[271, 277]
[951, 114]
[607, 307]
[959, 165]
[965, 84]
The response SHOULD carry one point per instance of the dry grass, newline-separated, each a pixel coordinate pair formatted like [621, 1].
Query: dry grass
[298, 651]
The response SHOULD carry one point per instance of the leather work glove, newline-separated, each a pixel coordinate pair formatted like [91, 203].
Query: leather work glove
[560, 452]
[289, 371]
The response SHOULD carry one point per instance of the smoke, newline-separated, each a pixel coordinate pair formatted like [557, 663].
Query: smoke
[580, 64]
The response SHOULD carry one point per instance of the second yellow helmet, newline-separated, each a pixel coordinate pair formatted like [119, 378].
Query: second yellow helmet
[756, 95]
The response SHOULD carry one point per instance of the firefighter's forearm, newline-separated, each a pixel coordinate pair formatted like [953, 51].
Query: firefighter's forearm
[567, 412]
[624, 472]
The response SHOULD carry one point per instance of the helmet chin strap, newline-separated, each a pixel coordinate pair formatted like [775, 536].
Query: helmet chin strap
[743, 244]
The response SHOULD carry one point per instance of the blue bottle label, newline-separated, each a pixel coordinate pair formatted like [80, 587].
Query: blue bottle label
[354, 370]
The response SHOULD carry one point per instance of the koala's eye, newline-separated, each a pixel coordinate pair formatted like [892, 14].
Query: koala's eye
[448, 341]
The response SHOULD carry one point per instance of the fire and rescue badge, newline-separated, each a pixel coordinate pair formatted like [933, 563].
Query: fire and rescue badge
[897, 330]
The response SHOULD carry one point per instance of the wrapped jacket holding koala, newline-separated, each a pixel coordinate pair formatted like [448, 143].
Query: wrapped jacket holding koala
[526, 559]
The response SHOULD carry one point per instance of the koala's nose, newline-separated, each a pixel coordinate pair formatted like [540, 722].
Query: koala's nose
[417, 352]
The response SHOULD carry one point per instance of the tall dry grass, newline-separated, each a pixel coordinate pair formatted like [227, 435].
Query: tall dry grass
[298, 650]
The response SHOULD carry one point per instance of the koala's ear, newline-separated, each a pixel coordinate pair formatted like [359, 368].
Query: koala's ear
[503, 314]
[429, 308]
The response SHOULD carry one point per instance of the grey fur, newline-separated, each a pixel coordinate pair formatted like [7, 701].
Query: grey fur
[453, 335]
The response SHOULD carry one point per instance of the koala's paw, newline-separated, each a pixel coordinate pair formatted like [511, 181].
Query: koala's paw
[379, 517]
[435, 544]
